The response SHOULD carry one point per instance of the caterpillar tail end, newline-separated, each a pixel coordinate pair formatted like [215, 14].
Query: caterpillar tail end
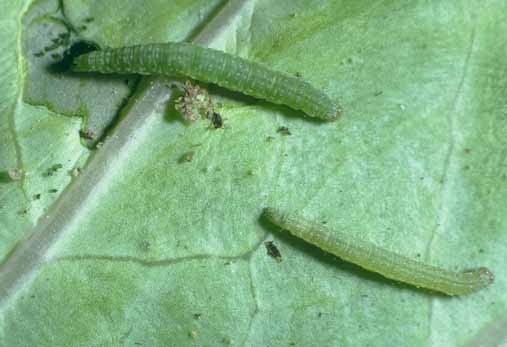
[337, 114]
[486, 276]
[269, 213]
[339, 111]
[78, 55]
[274, 216]
[333, 114]
[479, 278]
[80, 64]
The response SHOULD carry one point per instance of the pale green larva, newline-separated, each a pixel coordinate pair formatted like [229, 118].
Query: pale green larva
[210, 65]
[380, 260]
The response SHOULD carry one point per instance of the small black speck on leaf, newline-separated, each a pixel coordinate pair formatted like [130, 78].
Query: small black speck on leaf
[87, 134]
[283, 131]
[53, 169]
[52, 47]
[273, 251]
[217, 120]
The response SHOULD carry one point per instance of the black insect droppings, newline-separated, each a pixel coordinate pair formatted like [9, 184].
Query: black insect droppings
[53, 169]
[273, 251]
[52, 47]
[283, 131]
[53, 190]
[87, 134]
[217, 120]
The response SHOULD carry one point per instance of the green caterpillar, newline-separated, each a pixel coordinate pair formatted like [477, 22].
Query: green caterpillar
[209, 65]
[389, 264]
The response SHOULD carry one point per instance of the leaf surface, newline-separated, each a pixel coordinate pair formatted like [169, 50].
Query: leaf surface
[143, 248]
